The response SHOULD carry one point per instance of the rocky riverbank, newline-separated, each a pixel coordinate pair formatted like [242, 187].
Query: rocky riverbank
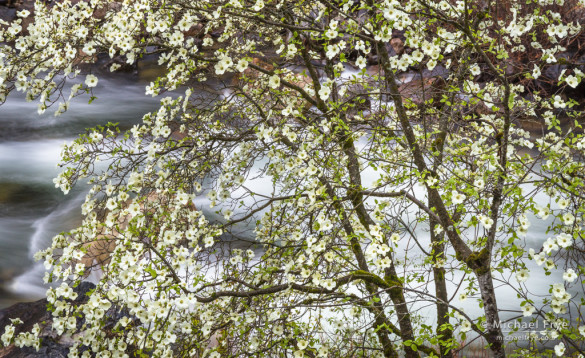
[36, 313]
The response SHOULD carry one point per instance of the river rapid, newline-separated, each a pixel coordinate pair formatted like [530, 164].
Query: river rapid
[32, 210]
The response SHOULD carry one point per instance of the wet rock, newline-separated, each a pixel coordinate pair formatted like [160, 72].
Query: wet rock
[251, 73]
[513, 67]
[419, 91]
[17, 5]
[114, 315]
[9, 9]
[7, 13]
[553, 72]
[49, 350]
[438, 71]
[197, 31]
[31, 313]
[101, 12]
[581, 61]
[374, 70]
[533, 125]
[83, 291]
[397, 45]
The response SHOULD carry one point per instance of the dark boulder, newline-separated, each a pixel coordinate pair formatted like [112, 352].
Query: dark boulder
[31, 313]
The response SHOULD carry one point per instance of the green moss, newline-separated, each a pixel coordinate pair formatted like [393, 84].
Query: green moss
[478, 261]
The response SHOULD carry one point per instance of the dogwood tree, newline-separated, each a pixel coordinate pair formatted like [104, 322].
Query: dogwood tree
[321, 176]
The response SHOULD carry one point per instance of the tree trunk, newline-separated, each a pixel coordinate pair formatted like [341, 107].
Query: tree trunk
[494, 334]
[404, 320]
[444, 333]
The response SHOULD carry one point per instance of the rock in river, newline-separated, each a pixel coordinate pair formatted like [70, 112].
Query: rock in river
[31, 313]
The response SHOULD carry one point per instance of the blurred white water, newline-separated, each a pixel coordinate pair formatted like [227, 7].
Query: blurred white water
[32, 210]
[65, 216]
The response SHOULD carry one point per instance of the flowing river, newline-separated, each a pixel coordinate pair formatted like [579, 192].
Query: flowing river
[32, 210]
